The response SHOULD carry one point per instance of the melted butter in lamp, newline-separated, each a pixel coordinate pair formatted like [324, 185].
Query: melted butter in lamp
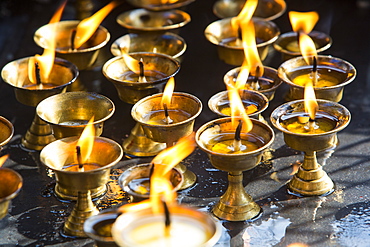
[320, 125]
[75, 168]
[150, 75]
[223, 143]
[293, 46]
[140, 185]
[40, 86]
[158, 117]
[327, 77]
[248, 106]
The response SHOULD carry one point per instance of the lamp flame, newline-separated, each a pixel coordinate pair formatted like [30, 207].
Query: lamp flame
[242, 76]
[303, 21]
[86, 141]
[310, 103]
[168, 91]
[245, 14]
[87, 27]
[3, 159]
[307, 48]
[238, 110]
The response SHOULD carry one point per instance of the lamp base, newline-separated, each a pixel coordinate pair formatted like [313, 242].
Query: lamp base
[189, 177]
[38, 135]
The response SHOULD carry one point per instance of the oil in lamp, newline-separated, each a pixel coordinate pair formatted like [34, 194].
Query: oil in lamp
[136, 76]
[268, 10]
[82, 167]
[167, 117]
[33, 83]
[69, 113]
[310, 126]
[226, 34]
[153, 22]
[160, 5]
[168, 43]
[10, 185]
[328, 74]
[235, 144]
[287, 44]
[77, 41]
[136, 179]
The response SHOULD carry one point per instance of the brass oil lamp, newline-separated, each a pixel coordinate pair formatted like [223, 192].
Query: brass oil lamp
[268, 10]
[99, 227]
[153, 22]
[131, 87]
[159, 5]
[168, 43]
[29, 91]
[10, 185]
[69, 113]
[310, 126]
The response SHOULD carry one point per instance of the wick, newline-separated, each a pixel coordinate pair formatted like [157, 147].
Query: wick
[167, 219]
[255, 85]
[141, 67]
[237, 140]
[168, 120]
[37, 72]
[79, 159]
[314, 71]
[73, 35]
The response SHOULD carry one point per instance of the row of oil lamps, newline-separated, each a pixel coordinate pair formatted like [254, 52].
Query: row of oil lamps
[61, 117]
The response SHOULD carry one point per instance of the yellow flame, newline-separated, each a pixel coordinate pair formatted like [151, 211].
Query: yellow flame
[3, 159]
[310, 103]
[307, 47]
[87, 27]
[86, 141]
[303, 21]
[238, 110]
[58, 14]
[245, 15]
[168, 91]
[297, 245]
[242, 76]
[131, 62]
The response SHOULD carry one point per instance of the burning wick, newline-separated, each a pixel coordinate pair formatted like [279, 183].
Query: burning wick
[73, 35]
[237, 140]
[314, 71]
[141, 75]
[79, 159]
[167, 219]
[255, 85]
[37, 72]
[167, 119]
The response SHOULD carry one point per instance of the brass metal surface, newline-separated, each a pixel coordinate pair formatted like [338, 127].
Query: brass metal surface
[159, 5]
[10, 184]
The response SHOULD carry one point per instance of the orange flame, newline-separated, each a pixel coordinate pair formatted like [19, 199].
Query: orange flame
[303, 21]
[238, 110]
[307, 47]
[297, 245]
[131, 62]
[87, 27]
[168, 91]
[310, 103]
[3, 159]
[46, 60]
[245, 14]
[242, 76]
[86, 141]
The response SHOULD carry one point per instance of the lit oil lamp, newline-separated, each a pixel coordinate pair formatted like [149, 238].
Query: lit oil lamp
[10, 184]
[235, 144]
[287, 43]
[266, 9]
[168, 43]
[69, 113]
[328, 74]
[32, 84]
[82, 168]
[160, 5]
[136, 76]
[145, 21]
[167, 117]
[227, 35]
[77, 41]
[310, 126]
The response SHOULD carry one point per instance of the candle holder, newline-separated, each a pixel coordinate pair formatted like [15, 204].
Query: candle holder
[335, 73]
[15, 74]
[135, 181]
[221, 34]
[6, 131]
[268, 82]
[83, 57]
[160, 67]
[154, 23]
[235, 204]
[184, 108]
[143, 228]
[158, 5]
[266, 9]
[69, 113]
[80, 185]
[168, 43]
[311, 179]
[10, 185]
[287, 44]
[254, 102]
